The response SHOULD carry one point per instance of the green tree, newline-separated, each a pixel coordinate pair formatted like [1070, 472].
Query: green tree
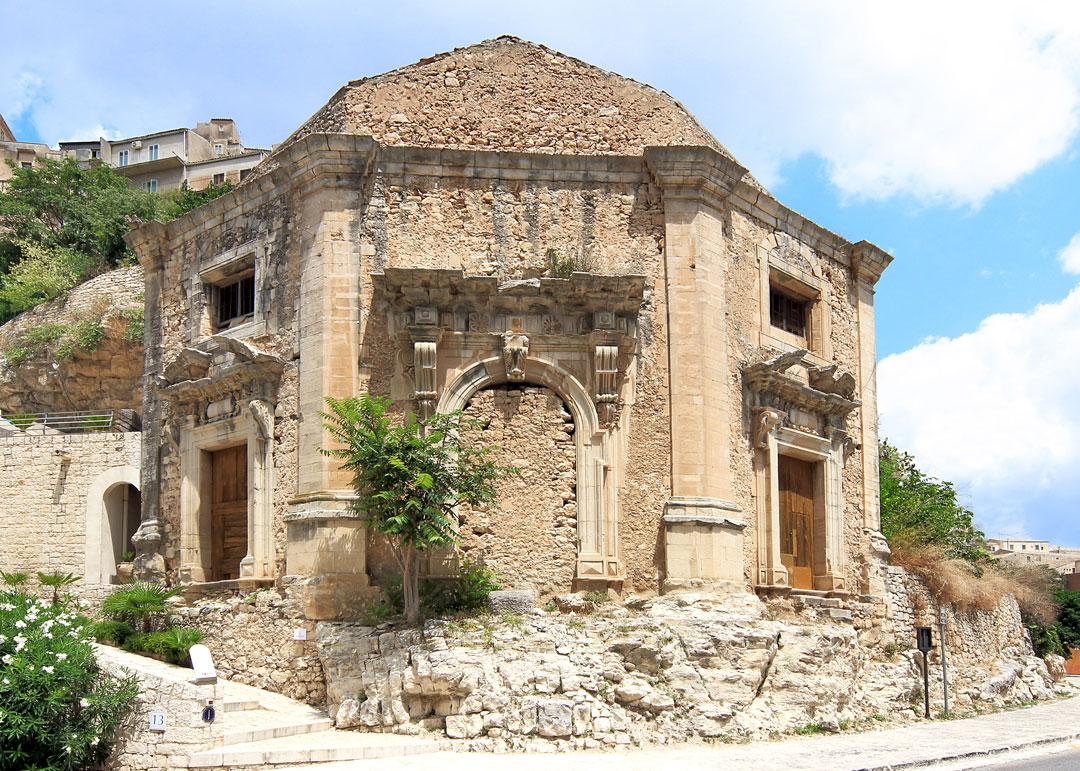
[60, 204]
[1069, 618]
[409, 475]
[920, 510]
[174, 203]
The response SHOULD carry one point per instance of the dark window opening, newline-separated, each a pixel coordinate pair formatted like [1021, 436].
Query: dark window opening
[788, 313]
[219, 179]
[236, 302]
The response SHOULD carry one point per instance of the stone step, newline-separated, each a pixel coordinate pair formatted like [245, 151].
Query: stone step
[323, 747]
[261, 725]
[240, 705]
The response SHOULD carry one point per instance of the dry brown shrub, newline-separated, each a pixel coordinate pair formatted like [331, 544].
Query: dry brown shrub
[1034, 587]
[952, 581]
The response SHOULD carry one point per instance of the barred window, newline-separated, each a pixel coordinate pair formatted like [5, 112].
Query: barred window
[788, 313]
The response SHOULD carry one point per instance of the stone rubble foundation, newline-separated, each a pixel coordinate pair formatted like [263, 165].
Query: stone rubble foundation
[666, 669]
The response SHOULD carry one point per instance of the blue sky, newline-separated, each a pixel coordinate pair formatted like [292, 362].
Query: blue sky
[948, 134]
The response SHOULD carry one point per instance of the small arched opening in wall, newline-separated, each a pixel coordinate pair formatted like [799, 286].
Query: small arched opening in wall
[528, 535]
[596, 551]
[113, 510]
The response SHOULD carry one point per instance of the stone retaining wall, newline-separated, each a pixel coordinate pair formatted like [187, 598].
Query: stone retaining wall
[251, 639]
[168, 689]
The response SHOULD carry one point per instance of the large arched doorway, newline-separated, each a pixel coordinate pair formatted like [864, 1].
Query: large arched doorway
[597, 538]
[528, 536]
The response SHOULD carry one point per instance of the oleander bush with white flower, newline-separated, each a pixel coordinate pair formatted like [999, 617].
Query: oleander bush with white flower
[58, 710]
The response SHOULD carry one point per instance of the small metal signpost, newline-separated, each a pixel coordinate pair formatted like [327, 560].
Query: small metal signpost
[925, 639]
[942, 618]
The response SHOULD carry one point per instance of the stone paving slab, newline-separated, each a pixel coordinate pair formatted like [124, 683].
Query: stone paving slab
[906, 747]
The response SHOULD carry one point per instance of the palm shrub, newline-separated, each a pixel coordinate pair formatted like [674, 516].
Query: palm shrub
[56, 581]
[58, 710]
[139, 604]
[173, 643]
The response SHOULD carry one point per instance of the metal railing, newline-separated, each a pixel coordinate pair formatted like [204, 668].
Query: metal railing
[106, 421]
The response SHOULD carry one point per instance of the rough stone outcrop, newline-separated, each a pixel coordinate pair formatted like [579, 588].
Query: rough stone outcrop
[105, 378]
[659, 670]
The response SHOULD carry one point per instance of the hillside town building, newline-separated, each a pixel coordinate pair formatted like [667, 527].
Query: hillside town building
[210, 153]
[22, 154]
[682, 366]
[1063, 559]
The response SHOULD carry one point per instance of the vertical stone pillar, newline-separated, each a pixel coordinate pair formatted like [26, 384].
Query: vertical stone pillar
[867, 264]
[694, 184]
[150, 242]
[328, 338]
[327, 543]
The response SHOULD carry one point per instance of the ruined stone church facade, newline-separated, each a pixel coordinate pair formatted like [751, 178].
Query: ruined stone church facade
[681, 366]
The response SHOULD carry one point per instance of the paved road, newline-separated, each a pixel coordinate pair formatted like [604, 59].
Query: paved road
[965, 742]
[1060, 761]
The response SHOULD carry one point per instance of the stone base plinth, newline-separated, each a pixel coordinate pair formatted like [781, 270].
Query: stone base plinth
[703, 545]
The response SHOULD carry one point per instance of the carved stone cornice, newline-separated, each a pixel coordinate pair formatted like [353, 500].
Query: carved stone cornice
[405, 288]
[868, 262]
[693, 172]
[215, 368]
[772, 377]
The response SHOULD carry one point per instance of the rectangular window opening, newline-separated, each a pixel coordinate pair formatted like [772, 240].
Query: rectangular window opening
[788, 313]
[152, 153]
[235, 302]
[123, 157]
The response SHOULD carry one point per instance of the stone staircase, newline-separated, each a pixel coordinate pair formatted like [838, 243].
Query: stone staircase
[253, 729]
[267, 730]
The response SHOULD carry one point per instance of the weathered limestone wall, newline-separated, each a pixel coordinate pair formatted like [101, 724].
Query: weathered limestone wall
[45, 484]
[988, 653]
[497, 224]
[183, 310]
[251, 639]
[168, 689]
[107, 378]
[528, 537]
[752, 243]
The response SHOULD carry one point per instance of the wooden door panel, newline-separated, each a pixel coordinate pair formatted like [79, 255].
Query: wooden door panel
[228, 511]
[796, 479]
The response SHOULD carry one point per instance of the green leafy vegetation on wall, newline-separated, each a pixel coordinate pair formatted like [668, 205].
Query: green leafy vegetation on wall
[61, 224]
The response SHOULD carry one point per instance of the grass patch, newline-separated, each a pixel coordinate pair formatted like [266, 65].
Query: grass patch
[810, 729]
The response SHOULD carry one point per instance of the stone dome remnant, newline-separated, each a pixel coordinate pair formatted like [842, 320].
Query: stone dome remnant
[510, 95]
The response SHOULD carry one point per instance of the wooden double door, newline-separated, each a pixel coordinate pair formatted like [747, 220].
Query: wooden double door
[228, 512]
[796, 479]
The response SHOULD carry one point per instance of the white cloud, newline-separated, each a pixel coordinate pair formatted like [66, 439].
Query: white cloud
[944, 102]
[26, 88]
[993, 410]
[1070, 255]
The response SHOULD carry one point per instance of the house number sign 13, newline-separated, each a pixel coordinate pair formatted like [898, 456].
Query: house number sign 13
[158, 719]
